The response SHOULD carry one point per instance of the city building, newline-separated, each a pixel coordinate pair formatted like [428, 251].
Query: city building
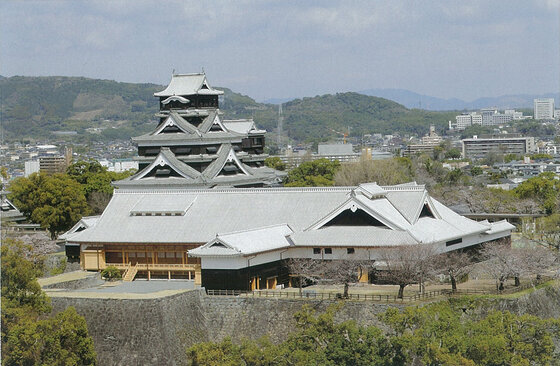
[240, 238]
[31, 166]
[340, 152]
[478, 147]
[429, 141]
[543, 108]
[465, 120]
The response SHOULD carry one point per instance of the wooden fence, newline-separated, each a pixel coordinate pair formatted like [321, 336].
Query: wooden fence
[312, 294]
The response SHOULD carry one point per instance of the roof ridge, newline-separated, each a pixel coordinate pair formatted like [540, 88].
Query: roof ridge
[235, 190]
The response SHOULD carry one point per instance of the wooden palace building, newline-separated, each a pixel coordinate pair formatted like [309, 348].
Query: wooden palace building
[204, 207]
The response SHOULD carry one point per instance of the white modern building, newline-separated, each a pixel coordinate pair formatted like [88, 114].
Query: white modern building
[544, 108]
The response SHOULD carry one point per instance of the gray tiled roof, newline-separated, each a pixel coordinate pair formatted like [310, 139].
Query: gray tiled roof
[217, 211]
[353, 236]
[188, 84]
[246, 242]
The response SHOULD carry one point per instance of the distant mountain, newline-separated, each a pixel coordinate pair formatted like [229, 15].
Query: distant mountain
[325, 117]
[414, 100]
[38, 107]
[277, 100]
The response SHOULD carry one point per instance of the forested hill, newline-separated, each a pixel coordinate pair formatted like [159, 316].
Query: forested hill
[35, 107]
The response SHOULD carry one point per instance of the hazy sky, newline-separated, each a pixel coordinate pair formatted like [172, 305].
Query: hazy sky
[274, 49]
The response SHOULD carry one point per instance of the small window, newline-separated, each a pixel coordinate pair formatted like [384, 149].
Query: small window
[316, 250]
[328, 250]
[349, 250]
[453, 242]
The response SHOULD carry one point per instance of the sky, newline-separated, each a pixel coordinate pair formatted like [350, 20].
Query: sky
[285, 49]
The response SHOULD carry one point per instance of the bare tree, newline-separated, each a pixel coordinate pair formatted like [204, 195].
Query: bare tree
[500, 262]
[548, 231]
[406, 264]
[532, 261]
[454, 264]
[345, 271]
[305, 270]
[384, 172]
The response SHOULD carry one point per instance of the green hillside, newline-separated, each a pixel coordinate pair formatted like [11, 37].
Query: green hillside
[37, 107]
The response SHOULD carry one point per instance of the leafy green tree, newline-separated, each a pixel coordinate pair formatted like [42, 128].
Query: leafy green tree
[444, 333]
[55, 201]
[21, 294]
[453, 153]
[318, 340]
[544, 188]
[476, 170]
[312, 174]
[59, 340]
[94, 177]
[274, 162]
[511, 157]
[28, 337]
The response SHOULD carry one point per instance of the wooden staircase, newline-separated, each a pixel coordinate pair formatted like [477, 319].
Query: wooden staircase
[130, 273]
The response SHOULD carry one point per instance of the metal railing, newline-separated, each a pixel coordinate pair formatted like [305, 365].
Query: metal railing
[158, 266]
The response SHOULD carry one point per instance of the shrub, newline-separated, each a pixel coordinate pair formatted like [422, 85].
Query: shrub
[111, 273]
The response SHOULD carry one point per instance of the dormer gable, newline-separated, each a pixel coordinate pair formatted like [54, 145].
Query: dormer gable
[427, 210]
[227, 164]
[175, 124]
[166, 165]
[354, 213]
[217, 125]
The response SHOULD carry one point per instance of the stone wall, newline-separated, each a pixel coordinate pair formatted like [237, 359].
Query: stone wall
[90, 281]
[157, 331]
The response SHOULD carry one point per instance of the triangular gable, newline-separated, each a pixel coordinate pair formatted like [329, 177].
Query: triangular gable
[166, 160]
[354, 209]
[427, 209]
[174, 120]
[226, 158]
[7, 205]
[233, 161]
[210, 121]
[217, 125]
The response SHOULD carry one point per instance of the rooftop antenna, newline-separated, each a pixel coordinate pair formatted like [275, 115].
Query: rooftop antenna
[280, 127]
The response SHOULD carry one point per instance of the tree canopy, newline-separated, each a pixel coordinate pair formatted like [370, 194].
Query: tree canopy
[312, 174]
[55, 201]
[29, 337]
[436, 334]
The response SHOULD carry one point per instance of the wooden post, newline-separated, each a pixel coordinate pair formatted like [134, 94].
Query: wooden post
[189, 275]
[149, 277]
[168, 275]
[123, 262]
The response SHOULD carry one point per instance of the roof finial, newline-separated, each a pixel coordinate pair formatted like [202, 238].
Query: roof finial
[173, 72]
[203, 69]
